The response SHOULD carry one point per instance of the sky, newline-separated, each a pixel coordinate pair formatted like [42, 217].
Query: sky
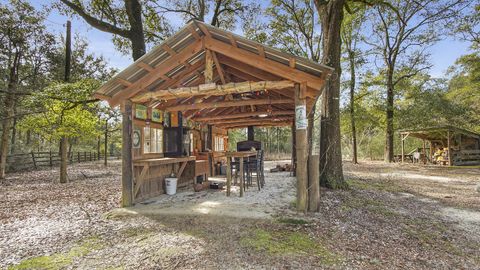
[443, 53]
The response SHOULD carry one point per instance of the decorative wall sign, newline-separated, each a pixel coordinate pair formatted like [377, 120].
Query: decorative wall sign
[157, 116]
[136, 138]
[140, 111]
[166, 119]
[301, 117]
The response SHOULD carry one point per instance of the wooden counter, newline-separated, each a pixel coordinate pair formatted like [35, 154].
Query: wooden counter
[150, 173]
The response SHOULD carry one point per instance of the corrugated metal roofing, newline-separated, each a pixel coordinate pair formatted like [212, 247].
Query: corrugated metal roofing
[184, 38]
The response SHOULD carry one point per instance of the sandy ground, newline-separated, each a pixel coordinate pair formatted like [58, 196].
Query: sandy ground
[393, 216]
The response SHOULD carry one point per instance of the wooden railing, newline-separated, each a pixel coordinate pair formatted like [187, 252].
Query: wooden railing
[39, 160]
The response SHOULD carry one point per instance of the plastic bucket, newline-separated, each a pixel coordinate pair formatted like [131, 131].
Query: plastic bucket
[171, 185]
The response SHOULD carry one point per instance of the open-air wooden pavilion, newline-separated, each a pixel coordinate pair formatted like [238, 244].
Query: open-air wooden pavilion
[180, 99]
[459, 146]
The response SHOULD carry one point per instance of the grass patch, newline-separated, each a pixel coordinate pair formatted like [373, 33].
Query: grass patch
[60, 260]
[137, 231]
[370, 205]
[430, 234]
[288, 243]
[387, 185]
[293, 221]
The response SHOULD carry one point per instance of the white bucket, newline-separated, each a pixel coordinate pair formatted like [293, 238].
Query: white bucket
[171, 185]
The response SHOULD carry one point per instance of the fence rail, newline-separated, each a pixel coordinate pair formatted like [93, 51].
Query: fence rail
[38, 160]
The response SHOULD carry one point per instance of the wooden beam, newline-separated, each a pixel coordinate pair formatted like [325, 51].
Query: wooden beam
[241, 115]
[301, 147]
[224, 104]
[257, 124]
[127, 154]
[208, 66]
[194, 32]
[242, 87]
[219, 68]
[250, 121]
[169, 50]
[232, 39]
[261, 51]
[204, 30]
[180, 76]
[264, 63]
[161, 69]
[123, 82]
[145, 66]
[292, 62]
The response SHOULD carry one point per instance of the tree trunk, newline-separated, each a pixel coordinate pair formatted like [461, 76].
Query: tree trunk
[106, 143]
[388, 154]
[351, 57]
[127, 154]
[331, 171]
[136, 35]
[14, 128]
[294, 150]
[8, 113]
[63, 159]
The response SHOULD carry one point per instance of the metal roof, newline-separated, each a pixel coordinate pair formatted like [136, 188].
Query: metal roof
[185, 37]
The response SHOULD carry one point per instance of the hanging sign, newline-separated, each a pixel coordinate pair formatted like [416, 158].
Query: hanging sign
[136, 138]
[140, 111]
[157, 116]
[301, 117]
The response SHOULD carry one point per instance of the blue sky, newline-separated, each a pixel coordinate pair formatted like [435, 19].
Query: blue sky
[443, 54]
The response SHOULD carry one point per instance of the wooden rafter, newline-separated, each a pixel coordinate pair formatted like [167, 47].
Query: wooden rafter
[159, 70]
[264, 63]
[249, 120]
[219, 68]
[208, 66]
[242, 115]
[224, 104]
[145, 66]
[194, 32]
[242, 87]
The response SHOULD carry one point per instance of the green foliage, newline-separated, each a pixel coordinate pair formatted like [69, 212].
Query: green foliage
[67, 111]
[289, 243]
[60, 260]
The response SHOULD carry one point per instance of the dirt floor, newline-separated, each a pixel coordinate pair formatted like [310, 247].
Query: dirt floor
[393, 216]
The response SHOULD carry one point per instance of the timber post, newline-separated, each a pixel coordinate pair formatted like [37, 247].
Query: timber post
[403, 147]
[449, 149]
[127, 155]
[313, 183]
[301, 145]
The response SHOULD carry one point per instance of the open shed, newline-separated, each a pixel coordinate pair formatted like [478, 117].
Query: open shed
[180, 99]
[446, 145]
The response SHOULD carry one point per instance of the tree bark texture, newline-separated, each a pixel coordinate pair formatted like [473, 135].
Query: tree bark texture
[388, 154]
[127, 155]
[105, 158]
[331, 171]
[351, 57]
[63, 159]
[9, 102]
[302, 154]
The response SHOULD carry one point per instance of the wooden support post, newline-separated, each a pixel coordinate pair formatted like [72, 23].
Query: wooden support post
[208, 66]
[127, 155]
[313, 183]
[301, 146]
[403, 147]
[229, 175]
[242, 180]
[424, 152]
[450, 163]
[294, 150]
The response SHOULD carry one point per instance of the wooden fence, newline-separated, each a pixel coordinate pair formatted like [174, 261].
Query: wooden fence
[466, 157]
[39, 160]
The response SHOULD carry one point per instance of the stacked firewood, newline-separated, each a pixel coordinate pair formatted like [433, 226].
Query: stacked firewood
[282, 168]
